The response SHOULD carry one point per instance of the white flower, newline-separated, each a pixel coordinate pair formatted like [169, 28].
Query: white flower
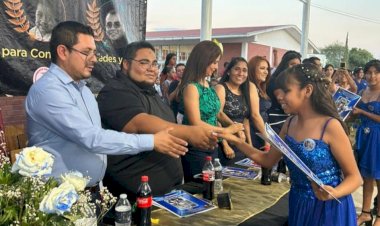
[86, 222]
[76, 179]
[33, 161]
[60, 199]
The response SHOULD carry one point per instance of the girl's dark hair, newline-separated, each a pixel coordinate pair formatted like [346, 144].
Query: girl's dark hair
[245, 86]
[169, 56]
[202, 55]
[372, 63]
[166, 70]
[357, 70]
[252, 65]
[329, 65]
[321, 100]
[284, 64]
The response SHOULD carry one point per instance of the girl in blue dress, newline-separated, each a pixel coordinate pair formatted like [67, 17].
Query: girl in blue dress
[318, 136]
[368, 139]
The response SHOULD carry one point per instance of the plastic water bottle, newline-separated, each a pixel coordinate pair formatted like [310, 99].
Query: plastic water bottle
[123, 211]
[208, 176]
[218, 184]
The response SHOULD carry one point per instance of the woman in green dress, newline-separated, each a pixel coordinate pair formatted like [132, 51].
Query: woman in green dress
[200, 102]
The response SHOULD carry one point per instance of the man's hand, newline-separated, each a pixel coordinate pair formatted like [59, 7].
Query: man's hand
[169, 144]
[202, 138]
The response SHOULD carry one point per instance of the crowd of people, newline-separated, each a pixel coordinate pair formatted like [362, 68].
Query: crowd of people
[164, 124]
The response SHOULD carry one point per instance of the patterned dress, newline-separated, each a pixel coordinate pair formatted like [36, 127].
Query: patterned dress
[236, 108]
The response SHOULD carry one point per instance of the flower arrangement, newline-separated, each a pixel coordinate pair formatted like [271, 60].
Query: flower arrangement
[28, 196]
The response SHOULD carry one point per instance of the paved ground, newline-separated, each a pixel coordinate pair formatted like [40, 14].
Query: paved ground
[358, 197]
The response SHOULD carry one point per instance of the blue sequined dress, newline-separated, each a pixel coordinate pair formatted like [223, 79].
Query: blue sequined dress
[304, 208]
[368, 141]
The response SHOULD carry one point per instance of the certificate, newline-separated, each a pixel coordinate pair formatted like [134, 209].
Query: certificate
[239, 173]
[345, 101]
[248, 163]
[182, 204]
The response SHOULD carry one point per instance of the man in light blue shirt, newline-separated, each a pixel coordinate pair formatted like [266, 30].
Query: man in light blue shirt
[63, 116]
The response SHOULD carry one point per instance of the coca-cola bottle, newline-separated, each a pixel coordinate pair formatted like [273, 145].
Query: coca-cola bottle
[208, 175]
[144, 203]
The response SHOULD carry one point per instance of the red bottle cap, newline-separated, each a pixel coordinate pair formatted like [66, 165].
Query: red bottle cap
[144, 178]
[208, 158]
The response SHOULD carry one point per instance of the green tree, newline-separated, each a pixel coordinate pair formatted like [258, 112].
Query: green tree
[334, 53]
[359, 57]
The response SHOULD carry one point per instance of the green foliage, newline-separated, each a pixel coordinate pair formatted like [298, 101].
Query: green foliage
[335, 55]
[359, 57]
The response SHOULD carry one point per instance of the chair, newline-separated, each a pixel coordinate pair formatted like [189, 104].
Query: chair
[15, 138]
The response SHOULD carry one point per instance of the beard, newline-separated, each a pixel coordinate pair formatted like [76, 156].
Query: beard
[141, 84]
[144, 84]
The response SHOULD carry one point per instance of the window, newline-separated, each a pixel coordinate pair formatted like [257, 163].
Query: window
[182, 56]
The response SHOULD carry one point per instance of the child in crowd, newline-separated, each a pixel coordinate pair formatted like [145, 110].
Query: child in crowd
[368, 139]
[317, 135]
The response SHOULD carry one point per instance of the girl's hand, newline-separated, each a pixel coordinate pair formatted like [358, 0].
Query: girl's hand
[234, 128]
[320, 193]
[228, 151]
[230, 138]
[266, 147]
[357, 111]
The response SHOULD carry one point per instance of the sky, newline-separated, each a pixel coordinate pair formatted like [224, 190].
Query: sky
[325, 27]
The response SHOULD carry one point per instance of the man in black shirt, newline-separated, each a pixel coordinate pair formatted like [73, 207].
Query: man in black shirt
[129, 103]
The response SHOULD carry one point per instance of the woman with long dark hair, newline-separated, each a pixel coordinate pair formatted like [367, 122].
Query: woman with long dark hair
[170, 61]
[259, 74]
[200, 102]
[233, 93]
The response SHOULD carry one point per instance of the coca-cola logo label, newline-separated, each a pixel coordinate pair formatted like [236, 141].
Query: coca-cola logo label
[144, 202]
[208, 176]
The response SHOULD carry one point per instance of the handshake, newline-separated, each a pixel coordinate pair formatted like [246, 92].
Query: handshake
[204, 137]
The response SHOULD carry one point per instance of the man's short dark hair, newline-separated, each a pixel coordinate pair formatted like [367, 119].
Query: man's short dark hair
[66, 33]
[179, 65]
[132, 48]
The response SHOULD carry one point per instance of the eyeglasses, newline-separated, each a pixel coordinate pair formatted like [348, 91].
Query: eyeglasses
[88, 54]
[146, 64]
[115, 25]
